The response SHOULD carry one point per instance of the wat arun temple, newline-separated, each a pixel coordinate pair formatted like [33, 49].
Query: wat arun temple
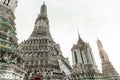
[40, 58]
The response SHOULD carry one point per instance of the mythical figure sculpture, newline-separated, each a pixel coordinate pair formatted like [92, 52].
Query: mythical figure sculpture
[5, 57]
[14, 61]
[23, 65]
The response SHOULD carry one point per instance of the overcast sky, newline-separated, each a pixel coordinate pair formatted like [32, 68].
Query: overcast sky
[93, 18]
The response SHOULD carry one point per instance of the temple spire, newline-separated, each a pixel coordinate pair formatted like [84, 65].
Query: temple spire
[43, 11]
[108, 71]
[41, 28]
[102, 52]
[79, 38]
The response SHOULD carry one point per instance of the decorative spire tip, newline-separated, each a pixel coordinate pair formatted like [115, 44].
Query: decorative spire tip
[78, 32]
[44, 2]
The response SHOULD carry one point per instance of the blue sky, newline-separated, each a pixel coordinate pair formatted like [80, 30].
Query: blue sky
[93, 18]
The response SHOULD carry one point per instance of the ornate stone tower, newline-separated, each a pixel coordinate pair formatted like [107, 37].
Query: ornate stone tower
[11, 63]
[84, 66]
[43, 56]
[109, 72]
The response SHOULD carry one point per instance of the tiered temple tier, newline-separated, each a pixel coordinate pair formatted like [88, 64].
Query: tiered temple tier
[7, 32]
[40, 50]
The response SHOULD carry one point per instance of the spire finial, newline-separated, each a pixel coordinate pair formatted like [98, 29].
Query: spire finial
[102, 52]
[43, 11]
[78, 32]
[44, 2]
[79, 38]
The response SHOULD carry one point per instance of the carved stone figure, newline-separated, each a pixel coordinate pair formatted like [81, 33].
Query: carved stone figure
[9, 58]
[14, 61]
[23, 65]
[5, 57]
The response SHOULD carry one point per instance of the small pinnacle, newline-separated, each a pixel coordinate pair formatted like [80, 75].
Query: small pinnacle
[78, 32]
[44, 2]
